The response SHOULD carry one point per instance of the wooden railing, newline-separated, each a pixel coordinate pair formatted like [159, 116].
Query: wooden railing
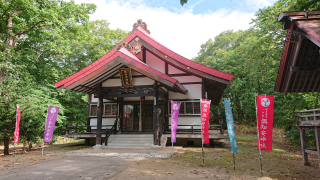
[192, 128]
[308, 117]
[85, 129]
[113, 129]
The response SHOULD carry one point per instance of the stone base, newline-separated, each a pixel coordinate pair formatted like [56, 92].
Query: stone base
[98, 147]
[156, 147]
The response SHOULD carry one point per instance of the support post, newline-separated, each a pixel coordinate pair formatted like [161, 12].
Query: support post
[99, 121]
[316, 130]
[303, 147]
[88, 124]
[155, 115]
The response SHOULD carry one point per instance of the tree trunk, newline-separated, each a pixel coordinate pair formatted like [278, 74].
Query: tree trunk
[6, 145]
[30, 145]
[24, 145]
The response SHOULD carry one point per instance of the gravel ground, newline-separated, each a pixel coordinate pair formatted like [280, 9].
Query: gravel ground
[145, 155]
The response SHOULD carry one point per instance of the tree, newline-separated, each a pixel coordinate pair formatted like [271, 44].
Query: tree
[23, 22]
[182, 2]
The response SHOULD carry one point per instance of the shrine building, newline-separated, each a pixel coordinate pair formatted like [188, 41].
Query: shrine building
[131, 88]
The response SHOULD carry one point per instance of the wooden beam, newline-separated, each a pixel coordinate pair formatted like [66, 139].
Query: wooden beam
[156, 117]
[305, 81]
[304, 68]
[310, 83]
[299, 81]
[293, 62]
[316, 83]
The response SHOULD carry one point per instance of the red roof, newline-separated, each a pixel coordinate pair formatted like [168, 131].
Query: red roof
[140, 32]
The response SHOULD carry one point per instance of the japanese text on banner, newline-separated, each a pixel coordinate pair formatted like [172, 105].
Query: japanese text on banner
[265, 107]
[174, 118]
[51, 121]
[205, 110]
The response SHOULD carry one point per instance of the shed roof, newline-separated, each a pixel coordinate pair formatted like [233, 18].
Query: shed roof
[300, 62]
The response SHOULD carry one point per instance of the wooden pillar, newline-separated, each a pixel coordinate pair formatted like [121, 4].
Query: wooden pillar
[316, 130]
[155, 115]
[99, 119]
[303, 147]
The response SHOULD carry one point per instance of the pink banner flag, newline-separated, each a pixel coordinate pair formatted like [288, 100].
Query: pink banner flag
[17, 130]
[205, 110]
[51, 121]
[265, 106]
[175, 108]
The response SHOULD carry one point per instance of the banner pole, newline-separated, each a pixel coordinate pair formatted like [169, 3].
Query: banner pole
[14, 149]
[42, 147]
[255, 97]
[172, 149]
[234, 163]
[202, 153]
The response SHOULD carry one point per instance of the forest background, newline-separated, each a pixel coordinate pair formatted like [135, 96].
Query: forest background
[44, 41]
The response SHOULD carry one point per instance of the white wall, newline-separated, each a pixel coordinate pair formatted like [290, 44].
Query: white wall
[194, 92]
[190, 120]
[184, 79]
[142, 81]
[105, 121]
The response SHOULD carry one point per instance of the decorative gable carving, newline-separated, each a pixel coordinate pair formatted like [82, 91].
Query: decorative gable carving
[125, 45]
[142, 24]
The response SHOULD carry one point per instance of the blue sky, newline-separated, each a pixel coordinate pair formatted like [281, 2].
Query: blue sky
[181, 28]
[204, 6]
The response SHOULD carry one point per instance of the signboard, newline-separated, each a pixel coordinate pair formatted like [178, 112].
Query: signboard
[51, 121]
[205, 110]
[230, 124]
[126, 77]
[265, 106]
[174, 118]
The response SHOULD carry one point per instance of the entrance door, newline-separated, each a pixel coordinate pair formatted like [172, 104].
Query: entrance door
[147, 117]
[131, 114]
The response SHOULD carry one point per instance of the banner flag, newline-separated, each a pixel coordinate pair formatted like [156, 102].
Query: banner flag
[205, 109]
[51, 121]
[17, 130]
[230, 124]
[175, 108]
[265, 106]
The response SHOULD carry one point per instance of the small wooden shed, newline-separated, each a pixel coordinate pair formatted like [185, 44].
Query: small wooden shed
[299, 69]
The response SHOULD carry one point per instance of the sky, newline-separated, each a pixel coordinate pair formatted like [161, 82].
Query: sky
[181, 28]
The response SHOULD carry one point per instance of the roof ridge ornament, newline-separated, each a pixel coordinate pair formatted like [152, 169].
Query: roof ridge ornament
[142, 24]
[125, 45]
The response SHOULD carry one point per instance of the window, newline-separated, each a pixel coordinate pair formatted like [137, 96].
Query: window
[110, 109]
[93, 110]
[188, 107]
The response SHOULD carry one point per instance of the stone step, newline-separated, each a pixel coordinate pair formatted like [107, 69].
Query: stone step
[131, 136]
[130, 139]
[141, 141]
[130, 142]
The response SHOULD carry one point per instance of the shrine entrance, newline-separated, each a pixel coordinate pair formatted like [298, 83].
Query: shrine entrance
[132, 121]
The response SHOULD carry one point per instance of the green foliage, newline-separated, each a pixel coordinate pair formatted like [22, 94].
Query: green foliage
[253, 57]
[42, 42]
[182, 2]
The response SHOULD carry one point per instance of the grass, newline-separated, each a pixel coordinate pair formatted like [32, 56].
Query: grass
[278, 163]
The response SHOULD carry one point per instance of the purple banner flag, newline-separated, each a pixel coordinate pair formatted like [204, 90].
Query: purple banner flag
[51, 121]
[175, 108]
